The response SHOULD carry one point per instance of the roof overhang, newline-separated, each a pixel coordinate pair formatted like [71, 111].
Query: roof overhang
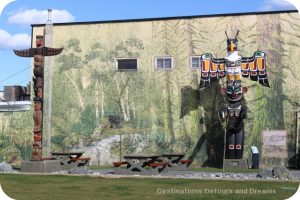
[15, 106]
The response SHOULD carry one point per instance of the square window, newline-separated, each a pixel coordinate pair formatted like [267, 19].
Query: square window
[160, 63]
[164, 63]
[126, 64]
[195, 62]
[168, 63]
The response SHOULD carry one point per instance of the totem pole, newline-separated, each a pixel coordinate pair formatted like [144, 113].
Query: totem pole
[234, 67]
[38, 54]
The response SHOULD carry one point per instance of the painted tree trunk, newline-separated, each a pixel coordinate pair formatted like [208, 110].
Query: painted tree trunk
[269, 107]
[271, 39]
[169, 128]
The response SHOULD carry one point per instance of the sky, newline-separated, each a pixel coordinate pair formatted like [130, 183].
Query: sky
[17, 16]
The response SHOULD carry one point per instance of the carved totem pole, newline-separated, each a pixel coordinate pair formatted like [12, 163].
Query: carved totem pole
[38, 54]
[234, 67]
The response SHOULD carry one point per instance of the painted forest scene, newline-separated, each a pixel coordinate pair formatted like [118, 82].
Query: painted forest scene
[157, 111]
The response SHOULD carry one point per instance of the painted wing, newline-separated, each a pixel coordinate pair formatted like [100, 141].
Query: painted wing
[255, 68]
[44, 51]
[47, 51]
[211, 69]
[25, 52]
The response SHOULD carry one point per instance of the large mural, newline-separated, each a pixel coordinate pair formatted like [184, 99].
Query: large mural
[161, 111]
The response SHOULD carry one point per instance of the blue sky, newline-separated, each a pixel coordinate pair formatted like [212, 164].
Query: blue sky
[17, 17]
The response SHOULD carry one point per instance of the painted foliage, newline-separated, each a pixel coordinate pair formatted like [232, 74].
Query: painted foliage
[162, 111]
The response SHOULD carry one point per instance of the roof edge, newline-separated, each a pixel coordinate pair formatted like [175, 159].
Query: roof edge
[168, 18]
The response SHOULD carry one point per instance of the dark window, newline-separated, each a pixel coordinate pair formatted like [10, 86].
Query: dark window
[164, 63]
[126, 64]
[195, 62]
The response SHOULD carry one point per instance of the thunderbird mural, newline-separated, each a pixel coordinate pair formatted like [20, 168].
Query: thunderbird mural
[163, 110]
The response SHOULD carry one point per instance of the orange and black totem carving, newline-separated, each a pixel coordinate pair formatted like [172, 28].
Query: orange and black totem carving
[38, 54]
[234, 67]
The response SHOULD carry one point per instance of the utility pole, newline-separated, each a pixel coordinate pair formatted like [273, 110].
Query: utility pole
[48, 36]
[297, 137]
[41, 70]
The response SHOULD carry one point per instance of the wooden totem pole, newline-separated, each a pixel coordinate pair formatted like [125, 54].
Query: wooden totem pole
[234, 67]
[38, 54]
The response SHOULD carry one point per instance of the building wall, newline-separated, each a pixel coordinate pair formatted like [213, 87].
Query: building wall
[87, 89]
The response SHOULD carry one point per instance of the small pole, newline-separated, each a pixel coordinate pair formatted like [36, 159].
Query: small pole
[120, 147]
[118, 126]
[98, 157]
[297, 138]
[225, 137]
[49, 16]
[224, 153]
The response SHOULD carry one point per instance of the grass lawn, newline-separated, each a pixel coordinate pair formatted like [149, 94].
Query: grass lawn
[44, 187]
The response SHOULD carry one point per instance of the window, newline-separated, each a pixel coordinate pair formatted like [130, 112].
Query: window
[195, 62]
[126, 64]
[165, 63]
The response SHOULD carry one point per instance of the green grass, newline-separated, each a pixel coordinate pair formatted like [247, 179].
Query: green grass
[16, 167]
[96, 167]
[44, 187]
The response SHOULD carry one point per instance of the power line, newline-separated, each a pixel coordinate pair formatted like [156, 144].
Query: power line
[15, 74]
[23, 81]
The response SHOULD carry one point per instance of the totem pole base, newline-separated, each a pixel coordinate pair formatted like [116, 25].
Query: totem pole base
[236, 164]
[45, 166]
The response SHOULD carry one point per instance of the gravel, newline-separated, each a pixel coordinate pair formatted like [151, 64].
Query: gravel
[277, 173]
[7, 168]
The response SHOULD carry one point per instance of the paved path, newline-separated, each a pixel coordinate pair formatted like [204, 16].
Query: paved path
[296, 173]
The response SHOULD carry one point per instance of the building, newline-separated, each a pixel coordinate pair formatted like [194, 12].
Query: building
[146, 72]
[15, 99]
